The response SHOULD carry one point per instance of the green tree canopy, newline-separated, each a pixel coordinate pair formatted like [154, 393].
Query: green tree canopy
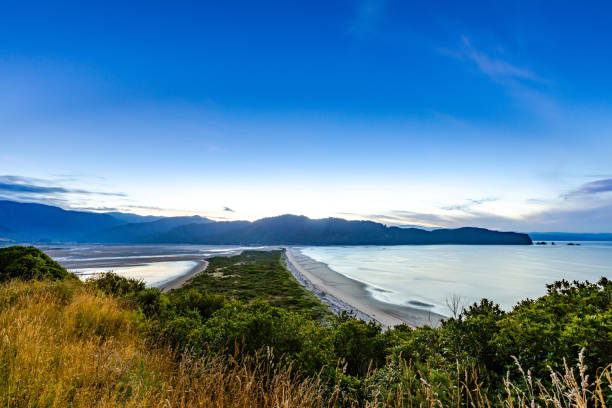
[28, 263]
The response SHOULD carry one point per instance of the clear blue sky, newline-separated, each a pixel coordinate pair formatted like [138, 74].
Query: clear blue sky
[493, 114]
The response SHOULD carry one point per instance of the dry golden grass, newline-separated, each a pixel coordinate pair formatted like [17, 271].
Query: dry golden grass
[62, 345]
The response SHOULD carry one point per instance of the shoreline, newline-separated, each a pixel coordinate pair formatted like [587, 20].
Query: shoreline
[181, 280]
[341, 293]
[336, 305]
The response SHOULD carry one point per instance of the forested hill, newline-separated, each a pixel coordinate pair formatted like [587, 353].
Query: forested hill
[36, 222]
[300, 230]
[26, 222]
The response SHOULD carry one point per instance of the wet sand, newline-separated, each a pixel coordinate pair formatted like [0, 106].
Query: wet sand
[342, 293]
[181, 280]
[123, 262]
[101, 258]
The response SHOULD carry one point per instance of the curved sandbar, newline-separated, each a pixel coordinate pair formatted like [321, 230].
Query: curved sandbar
[353, 294]
[181, 280]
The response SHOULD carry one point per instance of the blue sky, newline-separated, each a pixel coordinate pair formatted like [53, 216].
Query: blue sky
[492, 114]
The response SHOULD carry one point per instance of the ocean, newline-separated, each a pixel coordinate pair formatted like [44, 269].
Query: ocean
[425, 276]
[422, 276]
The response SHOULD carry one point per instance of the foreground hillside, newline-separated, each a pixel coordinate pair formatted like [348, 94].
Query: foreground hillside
[64, 344]
[114, 343]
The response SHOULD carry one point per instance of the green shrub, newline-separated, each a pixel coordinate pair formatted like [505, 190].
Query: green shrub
[542, 332]
[361, 344]
[113, 284]
[471, 336]
[254, 327]
[180, 332]
[414, 345]
[29, 263]
[202, 301]
[151, 301]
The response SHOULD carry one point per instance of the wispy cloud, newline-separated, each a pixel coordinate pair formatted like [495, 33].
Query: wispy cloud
[368, 17]
[98, 209]
[150, 210]
[147, 207]
[594, 187]
[496, 68]
[469, 204]
[27, 185]
[521, 83]
[403, 217]
[28, 188]
[43, 191]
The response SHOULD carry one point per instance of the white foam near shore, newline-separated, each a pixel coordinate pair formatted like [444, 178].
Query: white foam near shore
[342, 293]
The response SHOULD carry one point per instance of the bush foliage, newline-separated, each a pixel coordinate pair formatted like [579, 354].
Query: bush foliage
[28, 263]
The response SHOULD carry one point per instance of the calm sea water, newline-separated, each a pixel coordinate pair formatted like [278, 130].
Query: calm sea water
[430, 274]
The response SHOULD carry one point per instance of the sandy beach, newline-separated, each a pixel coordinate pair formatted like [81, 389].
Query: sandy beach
[342, 293]
[181, 280]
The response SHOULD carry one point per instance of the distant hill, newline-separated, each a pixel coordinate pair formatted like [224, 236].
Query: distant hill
[569, 236]
[142, 231]
[30, 222]
[37, 222]
[300, 230]
[6, 235]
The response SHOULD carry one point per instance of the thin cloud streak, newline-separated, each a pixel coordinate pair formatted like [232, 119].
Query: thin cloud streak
[594, 187]
[521, 84]
[496, 68]
[469, 205]
[26, 185]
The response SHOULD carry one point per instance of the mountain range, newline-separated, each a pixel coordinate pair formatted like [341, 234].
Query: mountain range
[28, 222]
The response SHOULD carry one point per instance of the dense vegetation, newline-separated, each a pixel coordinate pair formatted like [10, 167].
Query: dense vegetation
[29, 263]
[110, 337]
[256, 275]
